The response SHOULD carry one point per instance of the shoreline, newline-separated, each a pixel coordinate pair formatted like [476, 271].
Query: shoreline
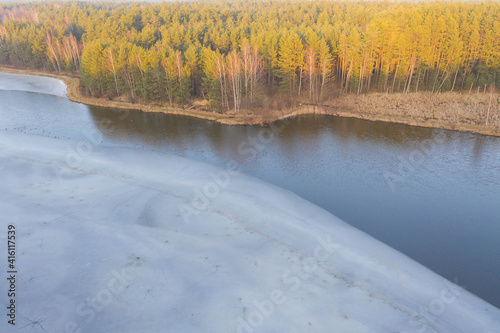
[392, 108]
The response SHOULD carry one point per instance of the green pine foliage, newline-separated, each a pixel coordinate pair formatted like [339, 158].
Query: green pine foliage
[237, 53]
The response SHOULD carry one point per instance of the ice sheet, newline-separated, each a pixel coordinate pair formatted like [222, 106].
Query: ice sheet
[31, 83]
[121, 240]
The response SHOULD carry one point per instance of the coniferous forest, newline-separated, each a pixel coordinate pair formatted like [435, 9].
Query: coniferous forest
[236, 53]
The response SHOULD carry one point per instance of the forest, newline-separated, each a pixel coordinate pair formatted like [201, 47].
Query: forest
[247, 54]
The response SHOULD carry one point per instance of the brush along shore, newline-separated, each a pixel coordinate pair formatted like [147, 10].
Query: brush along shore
[470, 112]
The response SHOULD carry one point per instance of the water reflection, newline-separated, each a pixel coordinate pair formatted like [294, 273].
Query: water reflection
[156, 128]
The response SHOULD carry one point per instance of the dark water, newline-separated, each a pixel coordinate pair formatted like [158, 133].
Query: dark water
[431, 194]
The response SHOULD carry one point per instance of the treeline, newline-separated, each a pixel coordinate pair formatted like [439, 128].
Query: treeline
[237, 53]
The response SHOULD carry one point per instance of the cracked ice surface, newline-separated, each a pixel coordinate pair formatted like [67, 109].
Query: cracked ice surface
[103, 246]
[32, 83]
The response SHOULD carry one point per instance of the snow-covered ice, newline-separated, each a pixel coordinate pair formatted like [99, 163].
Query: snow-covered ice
[104, 245]
[32, 83]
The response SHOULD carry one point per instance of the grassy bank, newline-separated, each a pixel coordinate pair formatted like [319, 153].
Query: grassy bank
[476, 112]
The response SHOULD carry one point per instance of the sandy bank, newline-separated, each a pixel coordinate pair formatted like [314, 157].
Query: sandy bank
[476, 112]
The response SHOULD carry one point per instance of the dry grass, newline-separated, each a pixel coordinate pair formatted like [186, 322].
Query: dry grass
[452, 110]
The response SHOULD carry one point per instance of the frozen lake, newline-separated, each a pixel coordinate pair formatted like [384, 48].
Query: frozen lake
[131, 241]
[88, 211]
[431, 194]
